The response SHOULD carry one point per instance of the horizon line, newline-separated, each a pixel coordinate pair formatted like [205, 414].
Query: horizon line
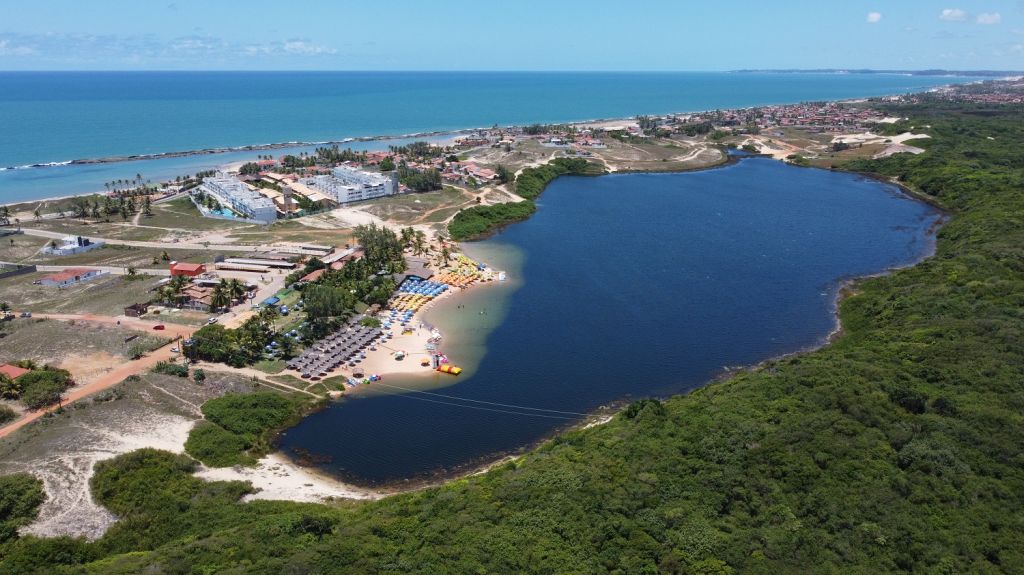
[526, 71]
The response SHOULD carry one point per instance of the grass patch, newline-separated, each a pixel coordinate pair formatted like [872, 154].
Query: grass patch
[271, 365]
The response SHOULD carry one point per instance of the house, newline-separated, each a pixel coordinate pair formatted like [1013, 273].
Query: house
[313, 275]
[12, 371]
[187, 269]
[70, 276]
[71, 245]
[197, 297]
[136, 309]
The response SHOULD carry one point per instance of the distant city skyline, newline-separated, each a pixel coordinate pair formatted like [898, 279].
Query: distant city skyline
[572, 35]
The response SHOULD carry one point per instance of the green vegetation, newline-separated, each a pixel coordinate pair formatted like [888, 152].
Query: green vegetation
[238, 427]
[895, 449]
[237, 347]
[478, 221]
[7, 414]
[38, 388]
[20, 497]
[217, 447]
[532, 181]
[169, 368]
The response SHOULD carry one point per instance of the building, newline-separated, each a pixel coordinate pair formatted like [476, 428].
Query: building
[187, 269]
[70, 276]
[12, 371]
[313, 275]
[233, 193]
[71, 245]
[346, 184]
[196, 297]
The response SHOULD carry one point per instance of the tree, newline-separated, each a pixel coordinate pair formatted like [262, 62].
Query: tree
[199, 376]
[236, 289]
[387, 164]
[504, 174]
[219, 298]
[5, 214]
[147, 208]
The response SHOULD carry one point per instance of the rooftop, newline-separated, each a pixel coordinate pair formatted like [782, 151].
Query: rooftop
[13, 371]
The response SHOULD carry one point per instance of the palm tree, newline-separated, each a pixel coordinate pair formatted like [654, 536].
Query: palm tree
[219, 298]
[236, 289]
[419, 242]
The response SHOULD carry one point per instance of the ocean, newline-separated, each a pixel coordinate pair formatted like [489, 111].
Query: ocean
[622, 286]
[55, 117]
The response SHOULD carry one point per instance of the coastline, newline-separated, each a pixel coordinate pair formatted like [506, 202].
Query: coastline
[371, 138]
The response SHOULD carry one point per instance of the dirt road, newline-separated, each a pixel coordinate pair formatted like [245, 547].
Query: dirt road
[115, 376]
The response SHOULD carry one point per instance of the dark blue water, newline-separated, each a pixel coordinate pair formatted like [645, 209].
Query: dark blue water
[60, 116]
[636, 285]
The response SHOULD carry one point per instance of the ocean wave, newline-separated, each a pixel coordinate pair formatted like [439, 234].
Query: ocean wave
[41, 165]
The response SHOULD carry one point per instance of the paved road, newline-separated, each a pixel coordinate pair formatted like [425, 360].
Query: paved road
[114, 270]
[116, 375]
[156, 245]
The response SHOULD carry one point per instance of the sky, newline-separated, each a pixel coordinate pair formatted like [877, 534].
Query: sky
[564, 35]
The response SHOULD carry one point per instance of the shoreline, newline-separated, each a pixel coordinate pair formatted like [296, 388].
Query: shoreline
[385, 137]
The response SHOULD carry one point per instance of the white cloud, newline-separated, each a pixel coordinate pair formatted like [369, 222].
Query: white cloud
[304, 48]
[874, 17]
[9, 49]
[989, 18]
[953, 15]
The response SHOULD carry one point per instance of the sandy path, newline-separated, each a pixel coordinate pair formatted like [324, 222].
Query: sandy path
[112, 377]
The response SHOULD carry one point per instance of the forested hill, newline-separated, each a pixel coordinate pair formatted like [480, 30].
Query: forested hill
[899, 448]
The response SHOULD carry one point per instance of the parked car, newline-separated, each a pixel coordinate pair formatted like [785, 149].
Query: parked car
[159, 327]
[26, 314]
[212, 320]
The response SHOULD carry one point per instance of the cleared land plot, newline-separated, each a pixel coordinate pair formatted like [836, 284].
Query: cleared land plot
[107, 295]
[415, 208]
[113, 230]
[130, 256]
[20, 247]
[311, 230]
[52, 341]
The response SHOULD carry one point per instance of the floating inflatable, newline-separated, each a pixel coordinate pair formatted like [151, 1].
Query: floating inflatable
[446, 368]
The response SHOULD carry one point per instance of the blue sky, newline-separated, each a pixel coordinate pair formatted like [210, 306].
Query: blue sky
[517, 35]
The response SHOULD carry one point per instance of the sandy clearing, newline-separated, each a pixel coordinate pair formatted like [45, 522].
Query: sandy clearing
[69, 508]
[277, 478]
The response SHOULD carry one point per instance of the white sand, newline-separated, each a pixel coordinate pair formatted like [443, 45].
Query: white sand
[69, 508]
[278, 478]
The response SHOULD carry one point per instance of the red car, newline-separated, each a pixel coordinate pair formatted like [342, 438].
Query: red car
[160, 326]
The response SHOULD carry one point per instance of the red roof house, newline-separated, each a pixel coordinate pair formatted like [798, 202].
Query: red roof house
[187, 269]
[13, 371]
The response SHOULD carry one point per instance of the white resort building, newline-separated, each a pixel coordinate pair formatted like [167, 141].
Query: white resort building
[233, 193]
[345, 185]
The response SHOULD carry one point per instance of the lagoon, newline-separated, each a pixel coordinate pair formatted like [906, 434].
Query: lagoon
[624, 286]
